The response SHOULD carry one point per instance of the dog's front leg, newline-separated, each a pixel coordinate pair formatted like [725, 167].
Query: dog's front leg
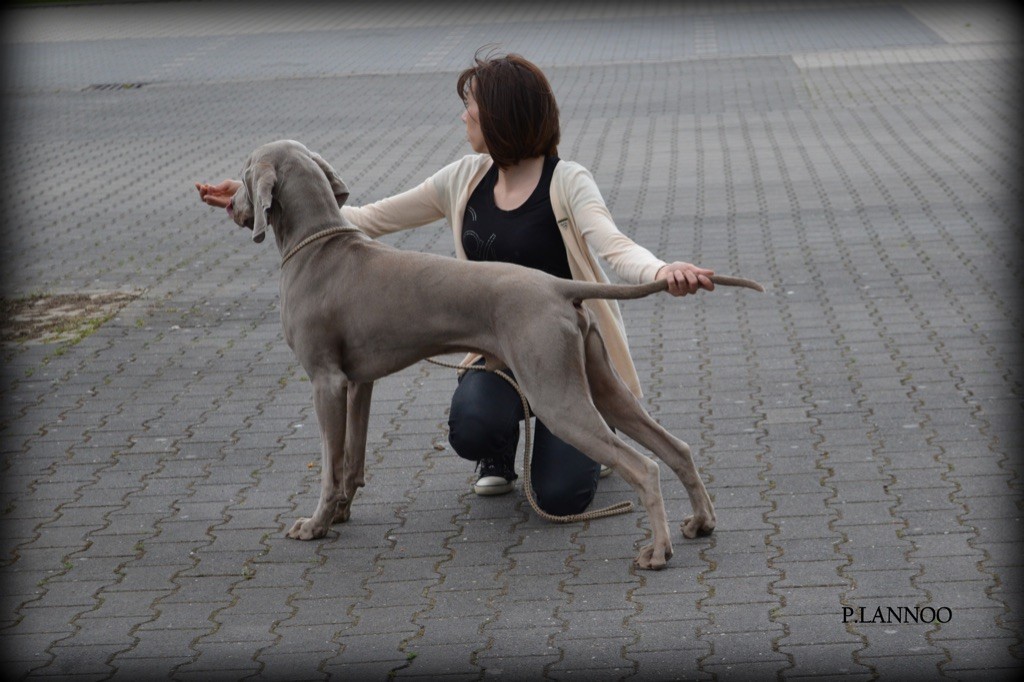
[352, 475]
[329, 399]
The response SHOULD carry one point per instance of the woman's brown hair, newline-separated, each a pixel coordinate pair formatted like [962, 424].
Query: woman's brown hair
[518, 113]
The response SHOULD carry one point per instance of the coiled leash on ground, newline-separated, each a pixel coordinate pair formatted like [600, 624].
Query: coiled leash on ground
[612, 510]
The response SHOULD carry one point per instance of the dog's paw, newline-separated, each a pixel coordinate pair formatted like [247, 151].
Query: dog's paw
[653, 558]
[306, 529]
[698, 524]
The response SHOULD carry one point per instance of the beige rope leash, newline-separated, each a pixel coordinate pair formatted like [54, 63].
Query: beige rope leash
[612, 510]
[312, 238]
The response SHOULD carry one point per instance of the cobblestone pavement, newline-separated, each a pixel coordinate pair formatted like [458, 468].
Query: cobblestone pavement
[859, 426]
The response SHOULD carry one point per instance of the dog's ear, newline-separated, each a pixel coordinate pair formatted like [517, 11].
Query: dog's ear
[263, 180]
[337, 184]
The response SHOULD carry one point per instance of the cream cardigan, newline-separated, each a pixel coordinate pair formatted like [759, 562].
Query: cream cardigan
[583, 218]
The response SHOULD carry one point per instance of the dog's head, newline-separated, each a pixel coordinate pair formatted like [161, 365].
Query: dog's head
[254, 201]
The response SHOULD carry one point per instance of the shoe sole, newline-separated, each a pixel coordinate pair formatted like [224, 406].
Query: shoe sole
[488, 490]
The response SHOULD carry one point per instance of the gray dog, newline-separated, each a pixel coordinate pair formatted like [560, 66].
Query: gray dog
[346, 306]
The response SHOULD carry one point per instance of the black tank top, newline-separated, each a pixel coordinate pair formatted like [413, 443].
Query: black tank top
[527, 235]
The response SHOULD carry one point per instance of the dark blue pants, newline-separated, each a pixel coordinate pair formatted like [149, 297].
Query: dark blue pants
[484, 423]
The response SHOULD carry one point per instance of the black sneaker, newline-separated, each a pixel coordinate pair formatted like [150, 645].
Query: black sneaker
[495, 478]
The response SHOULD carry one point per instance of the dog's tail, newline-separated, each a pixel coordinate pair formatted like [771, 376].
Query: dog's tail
[581, 291]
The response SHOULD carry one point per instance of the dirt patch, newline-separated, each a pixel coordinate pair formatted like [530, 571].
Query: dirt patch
[56, 318]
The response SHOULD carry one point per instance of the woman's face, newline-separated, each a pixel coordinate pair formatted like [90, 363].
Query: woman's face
[471, 117]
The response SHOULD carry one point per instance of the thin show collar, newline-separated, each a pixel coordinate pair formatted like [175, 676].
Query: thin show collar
[337, 229]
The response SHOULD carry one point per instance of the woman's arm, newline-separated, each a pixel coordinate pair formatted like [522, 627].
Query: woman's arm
[629, 260]
[412, 208]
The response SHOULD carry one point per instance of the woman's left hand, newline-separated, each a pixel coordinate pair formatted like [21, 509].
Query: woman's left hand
[686, 278]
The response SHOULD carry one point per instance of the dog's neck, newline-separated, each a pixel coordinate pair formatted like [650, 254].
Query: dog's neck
[303, 220]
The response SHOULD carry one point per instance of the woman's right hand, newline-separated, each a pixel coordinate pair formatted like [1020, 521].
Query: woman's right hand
[218, 195]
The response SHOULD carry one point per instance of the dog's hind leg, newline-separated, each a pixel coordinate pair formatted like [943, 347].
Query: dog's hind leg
[622, 410]
[352, 475]
[330, 392]
[582, 427]
[555, 384]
